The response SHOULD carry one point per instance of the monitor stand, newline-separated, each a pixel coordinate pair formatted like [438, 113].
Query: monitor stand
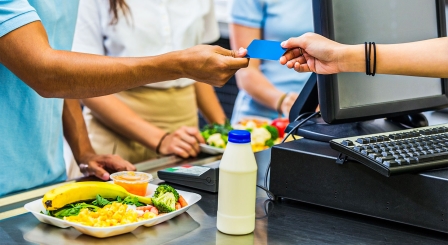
[317, 129]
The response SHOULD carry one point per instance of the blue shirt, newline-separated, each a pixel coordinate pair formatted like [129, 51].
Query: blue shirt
[278, 20]
[30, 125]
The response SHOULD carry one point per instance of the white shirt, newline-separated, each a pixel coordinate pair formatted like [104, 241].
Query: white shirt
[152, 27]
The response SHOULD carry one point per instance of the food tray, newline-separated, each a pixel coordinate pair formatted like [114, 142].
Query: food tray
[36, 207]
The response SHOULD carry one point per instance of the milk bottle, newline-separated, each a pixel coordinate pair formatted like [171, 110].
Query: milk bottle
[237, 186]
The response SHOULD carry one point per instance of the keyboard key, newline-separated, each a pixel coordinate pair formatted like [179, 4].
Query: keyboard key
[433, 157]
[362, 141]
[347, 142]
[391, 163]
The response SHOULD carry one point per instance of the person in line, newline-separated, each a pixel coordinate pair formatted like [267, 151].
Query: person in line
[267, 89]
[35, 63]
[140, 123]
[315, 53]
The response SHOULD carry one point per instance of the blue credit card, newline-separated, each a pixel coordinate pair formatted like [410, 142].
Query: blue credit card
[265, 50]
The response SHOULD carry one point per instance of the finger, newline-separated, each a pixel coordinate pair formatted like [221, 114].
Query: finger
[240, 53]
[234, 59]
[294, 42]
[98, 171]
[301, 67]
[292, 62]
[180, 152]
[194, 132]
[289, 55]
[116, 163]
[187, 147]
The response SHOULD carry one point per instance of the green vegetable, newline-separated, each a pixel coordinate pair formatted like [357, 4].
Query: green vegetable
[164, 188]
[100, 202]
[132, 200]
[273, 131]
[214, 128]
[269, 142]
[72, 210]
[165, 203]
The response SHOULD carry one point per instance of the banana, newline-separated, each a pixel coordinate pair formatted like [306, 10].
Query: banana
[83, 191]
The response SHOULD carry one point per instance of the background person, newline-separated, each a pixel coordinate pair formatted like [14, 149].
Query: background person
[134, 123]
[266, 88]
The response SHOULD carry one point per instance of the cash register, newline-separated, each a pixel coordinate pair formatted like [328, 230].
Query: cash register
[371, 151]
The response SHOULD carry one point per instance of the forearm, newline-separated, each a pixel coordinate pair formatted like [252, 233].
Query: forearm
[54, 73]
[424, 58]
[75, 131]
[208, 103]
[258, 87]
[27, 53]
[117, 116]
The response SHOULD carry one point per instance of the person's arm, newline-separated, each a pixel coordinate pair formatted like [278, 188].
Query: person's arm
[208, 103]
[75, 132]
[182, 142]
[428, 58]
[251, 79]
[53, 73]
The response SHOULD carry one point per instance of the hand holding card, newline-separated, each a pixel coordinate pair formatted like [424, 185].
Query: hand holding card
[265, 50]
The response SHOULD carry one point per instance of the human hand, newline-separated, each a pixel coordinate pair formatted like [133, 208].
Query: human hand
[212, 64]
[288, 102]
[183, 142]
[99, 165]
[312, 52]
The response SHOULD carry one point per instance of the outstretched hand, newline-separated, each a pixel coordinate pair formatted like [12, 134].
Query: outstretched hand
[213, 64]
[99, 165]
[311, 53]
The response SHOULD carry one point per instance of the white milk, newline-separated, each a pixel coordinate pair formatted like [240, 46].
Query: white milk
[237, 186]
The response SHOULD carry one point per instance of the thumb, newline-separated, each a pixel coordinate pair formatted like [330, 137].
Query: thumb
[99, 172]
[293, 42]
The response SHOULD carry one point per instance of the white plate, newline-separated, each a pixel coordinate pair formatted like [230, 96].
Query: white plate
[36, 207]
[211, 149]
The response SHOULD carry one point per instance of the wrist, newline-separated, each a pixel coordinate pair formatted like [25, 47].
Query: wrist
[159, 145]
[279, 104]
[85, 157]
[351, 58]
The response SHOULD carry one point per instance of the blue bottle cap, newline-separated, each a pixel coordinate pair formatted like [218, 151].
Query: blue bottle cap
[239, 136]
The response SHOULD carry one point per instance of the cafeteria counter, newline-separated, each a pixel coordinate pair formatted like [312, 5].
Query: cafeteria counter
[283, 222]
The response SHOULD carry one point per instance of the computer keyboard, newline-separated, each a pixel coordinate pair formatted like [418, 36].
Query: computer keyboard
[398, 152]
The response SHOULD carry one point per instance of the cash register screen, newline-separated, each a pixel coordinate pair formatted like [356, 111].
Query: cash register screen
[356, 96]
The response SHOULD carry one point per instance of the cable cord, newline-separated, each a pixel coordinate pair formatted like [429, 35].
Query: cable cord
[266, 187]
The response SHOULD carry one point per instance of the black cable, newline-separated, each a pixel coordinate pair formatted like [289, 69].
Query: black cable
[302, 115]
[265, 187]
[266, 209]
[300, 124]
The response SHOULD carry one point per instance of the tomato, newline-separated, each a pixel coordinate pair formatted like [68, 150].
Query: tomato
[280, 124]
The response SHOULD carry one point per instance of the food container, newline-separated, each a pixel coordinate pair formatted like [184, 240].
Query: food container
[134, 182]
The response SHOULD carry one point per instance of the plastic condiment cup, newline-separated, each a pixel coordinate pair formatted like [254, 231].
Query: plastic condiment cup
[134, 182]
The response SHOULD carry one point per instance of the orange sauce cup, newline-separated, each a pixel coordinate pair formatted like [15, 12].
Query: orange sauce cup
[134, 182]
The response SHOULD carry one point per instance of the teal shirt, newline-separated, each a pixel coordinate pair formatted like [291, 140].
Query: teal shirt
[278, 21]
[31, 135]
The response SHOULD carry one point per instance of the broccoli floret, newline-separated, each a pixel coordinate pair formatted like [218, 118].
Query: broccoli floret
[165, 203]
[273, 131]
[269, 142]
[164, 188]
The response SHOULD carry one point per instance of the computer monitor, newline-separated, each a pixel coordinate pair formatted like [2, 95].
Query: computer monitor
[352, 97]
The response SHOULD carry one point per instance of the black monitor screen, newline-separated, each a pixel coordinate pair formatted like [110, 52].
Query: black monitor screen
[355, 96]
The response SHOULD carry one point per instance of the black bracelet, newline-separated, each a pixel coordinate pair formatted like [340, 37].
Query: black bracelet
[160, 143]
[374, 59]
[367, 59]
[368, 51]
